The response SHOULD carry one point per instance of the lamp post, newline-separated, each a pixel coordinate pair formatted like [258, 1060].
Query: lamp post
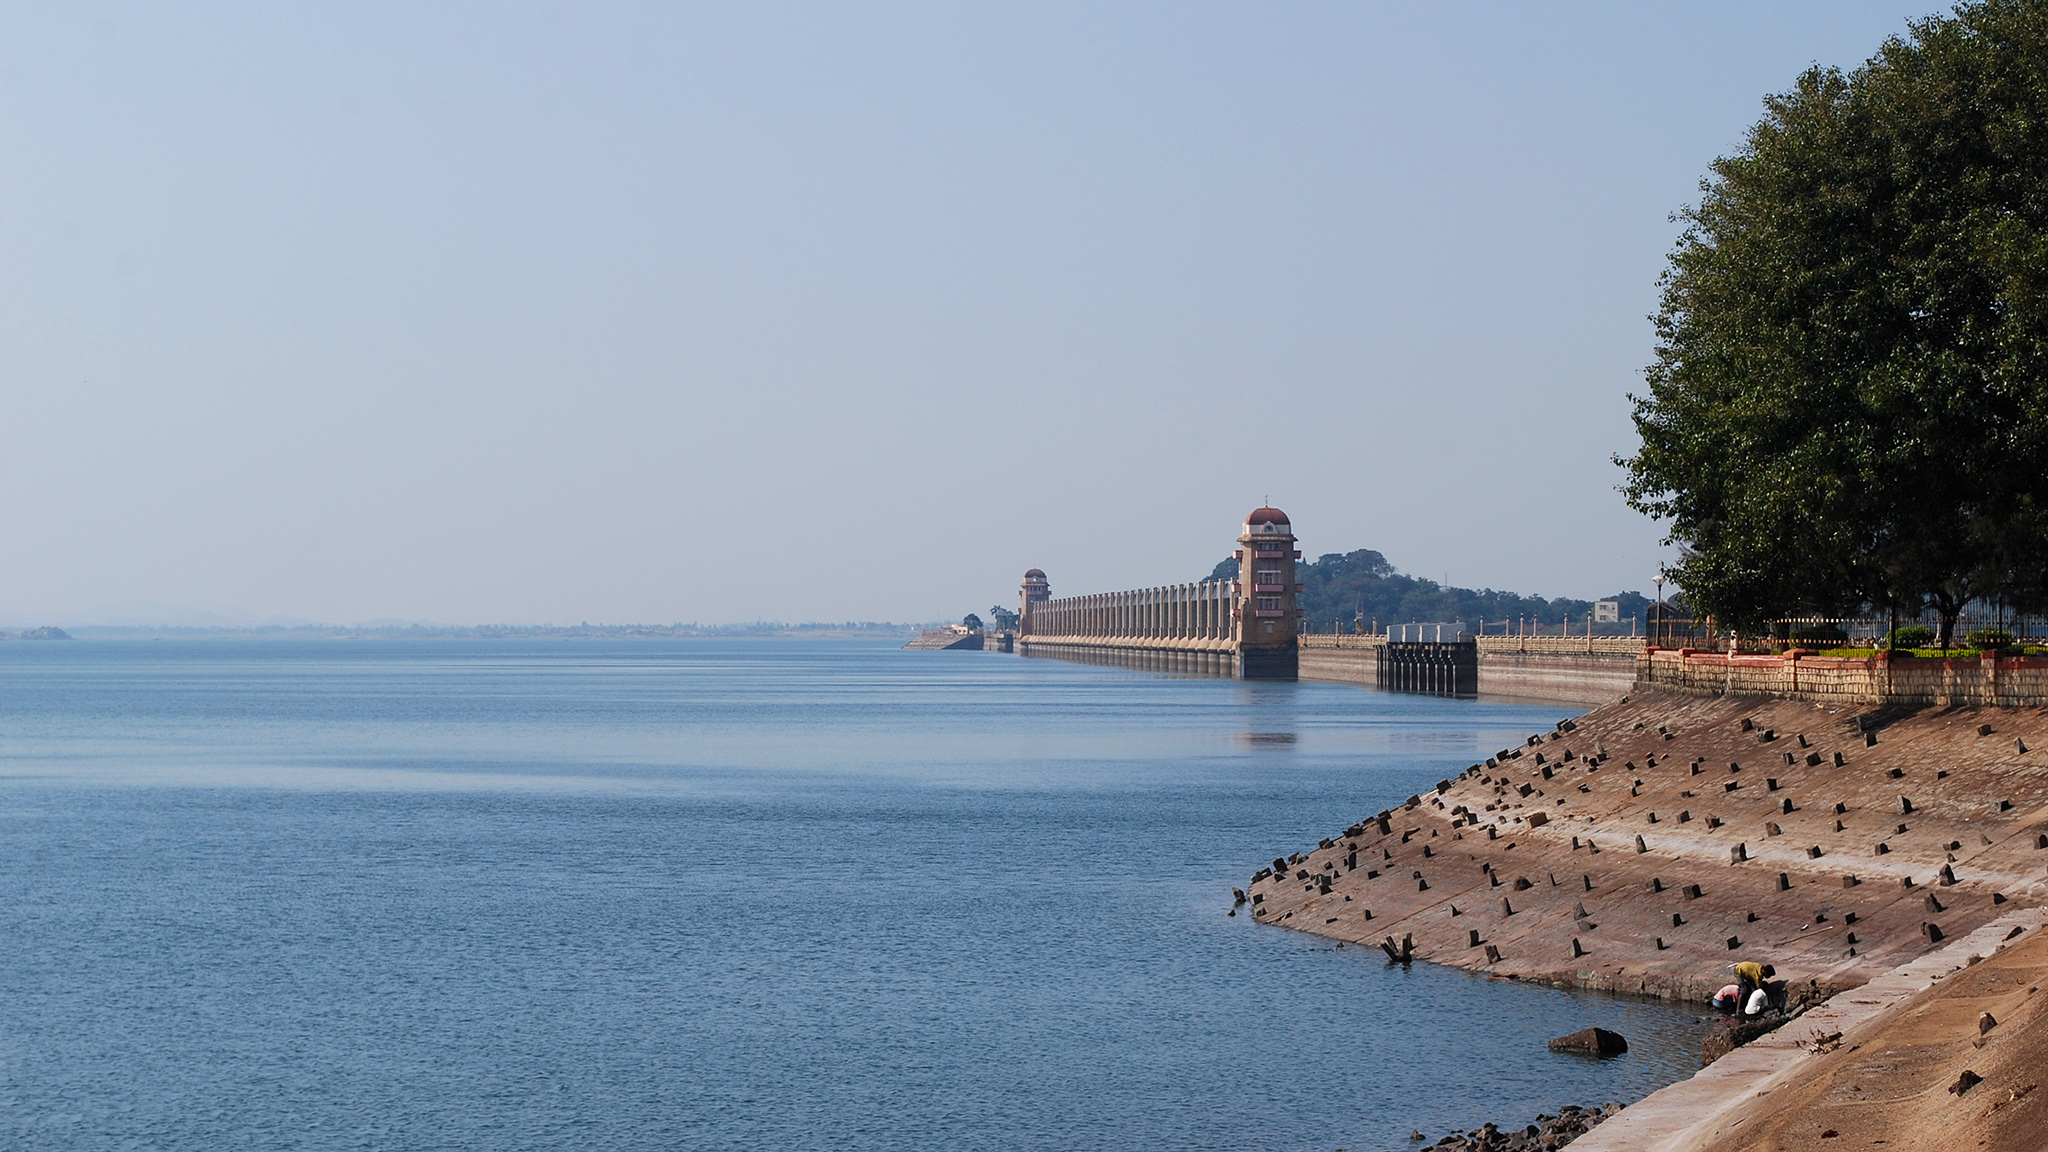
[1656, 635]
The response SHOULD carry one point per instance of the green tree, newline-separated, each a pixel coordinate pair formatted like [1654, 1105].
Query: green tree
[1847, 404]
[1337, 588]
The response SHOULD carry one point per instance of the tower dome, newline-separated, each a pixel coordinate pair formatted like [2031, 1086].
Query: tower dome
[1267, 522]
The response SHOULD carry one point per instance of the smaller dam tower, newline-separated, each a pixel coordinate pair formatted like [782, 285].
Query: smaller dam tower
[1268, 621]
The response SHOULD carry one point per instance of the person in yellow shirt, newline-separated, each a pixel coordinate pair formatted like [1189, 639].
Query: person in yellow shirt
[1749, 980]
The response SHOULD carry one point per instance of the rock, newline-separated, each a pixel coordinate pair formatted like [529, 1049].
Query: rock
[1591, 1042]
[1547, 1132]
[1728, 1035]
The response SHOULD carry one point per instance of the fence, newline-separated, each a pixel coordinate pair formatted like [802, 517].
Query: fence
[1867, 631]
[1564, 645]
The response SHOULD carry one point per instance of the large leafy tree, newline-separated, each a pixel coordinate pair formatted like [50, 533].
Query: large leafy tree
[1849, 402]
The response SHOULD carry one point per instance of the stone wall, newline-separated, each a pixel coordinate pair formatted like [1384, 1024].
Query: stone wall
[1580, 677]
[1550, 669]
[1346, 664]
[2001, 682]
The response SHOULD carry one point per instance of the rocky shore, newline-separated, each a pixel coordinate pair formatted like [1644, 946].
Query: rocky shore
[1547, 1132]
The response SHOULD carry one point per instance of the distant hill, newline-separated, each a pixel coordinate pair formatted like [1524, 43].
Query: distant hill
[1337, 586]
[36, 634]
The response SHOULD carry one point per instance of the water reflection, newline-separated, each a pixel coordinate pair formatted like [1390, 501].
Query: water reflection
[1266, 739]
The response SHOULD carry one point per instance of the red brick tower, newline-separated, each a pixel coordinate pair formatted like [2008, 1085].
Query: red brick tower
[1268, 621]
[1036, 591]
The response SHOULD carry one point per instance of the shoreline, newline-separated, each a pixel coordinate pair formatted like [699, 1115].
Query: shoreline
[1710, 1109]
[1644, 847]
[1622, 852]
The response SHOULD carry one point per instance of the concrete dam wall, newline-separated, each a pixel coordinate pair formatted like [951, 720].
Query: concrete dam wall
[1568, 670]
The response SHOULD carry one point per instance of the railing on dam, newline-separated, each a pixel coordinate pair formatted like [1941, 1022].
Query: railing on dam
[1625, 647]
[1618, 646]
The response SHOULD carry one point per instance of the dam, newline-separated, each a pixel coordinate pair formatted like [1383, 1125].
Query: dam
[1250, 627]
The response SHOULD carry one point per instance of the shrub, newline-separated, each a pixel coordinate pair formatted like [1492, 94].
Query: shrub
[1910, 636]
[1989, 638]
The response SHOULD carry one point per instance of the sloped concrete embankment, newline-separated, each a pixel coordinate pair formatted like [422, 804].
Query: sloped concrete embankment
[1651, 843]
[947, 639]
[1943, 1052]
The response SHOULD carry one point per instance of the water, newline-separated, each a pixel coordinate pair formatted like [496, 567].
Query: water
[746, 893]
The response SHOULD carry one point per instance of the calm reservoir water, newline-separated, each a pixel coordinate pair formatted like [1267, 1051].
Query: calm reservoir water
[722, 893]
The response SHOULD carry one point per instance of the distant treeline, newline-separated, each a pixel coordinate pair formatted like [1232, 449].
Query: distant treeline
[1337, 587]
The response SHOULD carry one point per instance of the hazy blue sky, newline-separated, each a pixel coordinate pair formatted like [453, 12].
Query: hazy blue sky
[502, 312]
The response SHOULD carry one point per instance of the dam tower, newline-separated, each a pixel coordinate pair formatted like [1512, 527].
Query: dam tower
[1268, 618]
[1035, 592]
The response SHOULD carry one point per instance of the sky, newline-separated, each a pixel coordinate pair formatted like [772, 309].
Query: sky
[524, 313]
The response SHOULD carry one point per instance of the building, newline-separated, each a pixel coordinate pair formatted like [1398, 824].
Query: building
[1267, 617]
[1037, 590]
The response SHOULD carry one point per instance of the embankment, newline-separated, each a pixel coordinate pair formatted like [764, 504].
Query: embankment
[1941, 1053]
[948, 639]
[1659, 839]
[1958, 1065]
